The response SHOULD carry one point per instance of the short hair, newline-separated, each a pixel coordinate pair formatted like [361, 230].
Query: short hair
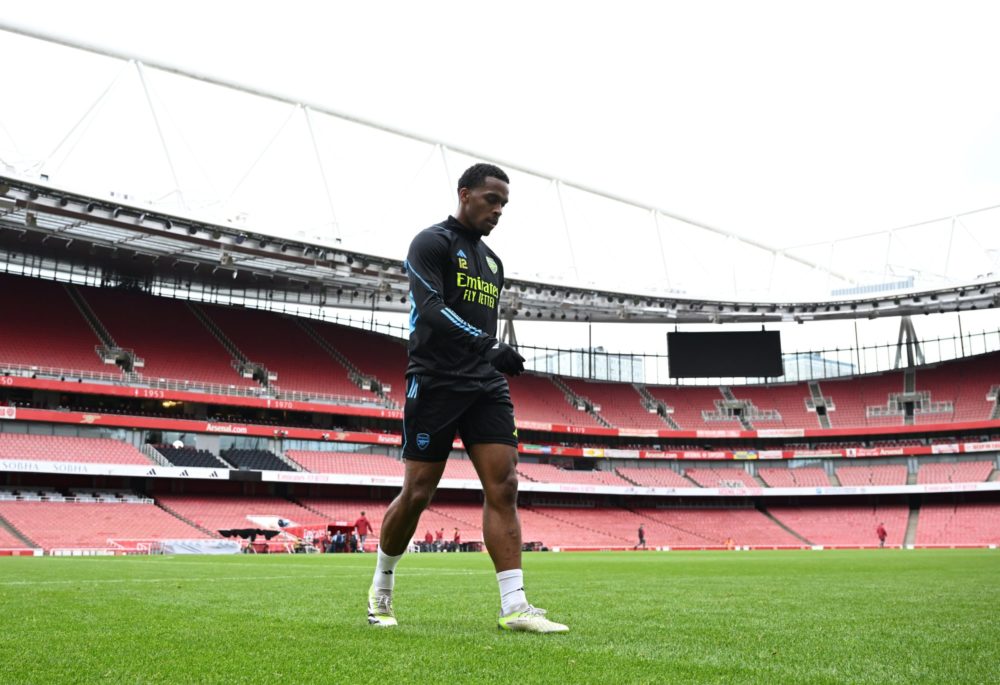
[476, 175]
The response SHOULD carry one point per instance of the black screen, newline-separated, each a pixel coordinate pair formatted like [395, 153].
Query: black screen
[718, 355]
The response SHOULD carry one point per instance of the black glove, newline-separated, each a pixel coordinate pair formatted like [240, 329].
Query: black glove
[505, 359]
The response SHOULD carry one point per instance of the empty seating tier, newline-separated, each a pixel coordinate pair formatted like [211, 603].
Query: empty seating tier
[805, 477]
[255, 460]
[620, 403]
[955, 472]
[350, 463]
[669, 527]
[166, 334]
[967, 524]
[93, 524]
[43, 327]
[885, 474]
[10, 541]
[217, 512]
[789, 401]
[282, 346]
[546, 473]
[374, 355]
[964, 383]
[189, 456]
[655, 477]
[694, 408]
[855, 398]
[536, 398]
[461, 469]
[845, 525]
[61, 448]
[721, 477]
[578, 526]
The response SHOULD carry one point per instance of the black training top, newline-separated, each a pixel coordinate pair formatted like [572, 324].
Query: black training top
[455, 284]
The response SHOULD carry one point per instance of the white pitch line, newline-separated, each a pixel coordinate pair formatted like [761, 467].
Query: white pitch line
[93, 581]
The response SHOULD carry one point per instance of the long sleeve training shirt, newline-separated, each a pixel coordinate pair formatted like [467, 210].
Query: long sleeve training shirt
[455, 284]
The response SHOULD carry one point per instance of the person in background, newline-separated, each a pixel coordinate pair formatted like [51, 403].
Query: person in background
[882, 534]
[642, 538]
[363, 527]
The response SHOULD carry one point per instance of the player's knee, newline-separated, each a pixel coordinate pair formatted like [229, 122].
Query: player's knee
[417, 496]
[503, 492]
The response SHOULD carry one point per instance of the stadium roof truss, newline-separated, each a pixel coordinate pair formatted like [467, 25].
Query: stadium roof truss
[44, 229]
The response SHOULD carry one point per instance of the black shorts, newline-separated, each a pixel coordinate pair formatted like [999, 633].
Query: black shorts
[480, 411]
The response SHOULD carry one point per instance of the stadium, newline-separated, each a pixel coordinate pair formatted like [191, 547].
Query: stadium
[194, 401]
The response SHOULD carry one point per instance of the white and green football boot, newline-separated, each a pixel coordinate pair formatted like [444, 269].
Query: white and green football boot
[530, 620]
[380, 611]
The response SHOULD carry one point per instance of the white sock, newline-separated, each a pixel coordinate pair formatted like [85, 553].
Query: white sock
[511, 591]
[385, 571]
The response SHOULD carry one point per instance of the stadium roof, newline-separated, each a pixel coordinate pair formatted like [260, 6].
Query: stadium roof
[50, 231]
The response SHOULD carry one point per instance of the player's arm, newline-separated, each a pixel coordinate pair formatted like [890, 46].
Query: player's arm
[425, 265]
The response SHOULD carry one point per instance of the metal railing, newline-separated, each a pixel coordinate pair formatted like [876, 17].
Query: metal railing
[813, 365]
[32, 370]
[59, 372]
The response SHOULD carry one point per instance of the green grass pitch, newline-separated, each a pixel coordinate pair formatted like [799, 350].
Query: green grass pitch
[878, 616]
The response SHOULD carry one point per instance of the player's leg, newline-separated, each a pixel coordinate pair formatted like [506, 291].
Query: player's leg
[495, 464]
[501, 526]
[420, 480]
[429, 420]
[398, 527]
[488, 431]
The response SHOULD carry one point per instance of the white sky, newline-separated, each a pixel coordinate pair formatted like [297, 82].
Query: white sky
[787, 123]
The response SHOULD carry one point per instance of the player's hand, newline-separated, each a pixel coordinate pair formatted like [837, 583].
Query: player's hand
[505, 359]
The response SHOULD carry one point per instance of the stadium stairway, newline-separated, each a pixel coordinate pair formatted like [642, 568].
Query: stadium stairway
[541, 511]
[665, 411]
[730, 400]
[90, 317]
[911, 525]
[464, 524]
[190, 456]
[150, 452]
[818, 399]
[651, 402]
[624, 477]
[10, 528]
[575, 400]
[371, 384]
[765, 512]
[206, 531]
[240, 360]
[296, 500]
[909, 388]
[258, 460]
[673, 526]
